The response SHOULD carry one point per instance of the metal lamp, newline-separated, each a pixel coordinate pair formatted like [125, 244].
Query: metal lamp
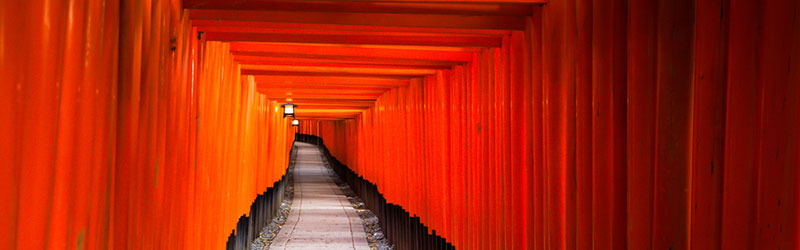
[288, 109]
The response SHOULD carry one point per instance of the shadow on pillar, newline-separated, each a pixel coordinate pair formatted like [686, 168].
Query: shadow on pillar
[402, 230]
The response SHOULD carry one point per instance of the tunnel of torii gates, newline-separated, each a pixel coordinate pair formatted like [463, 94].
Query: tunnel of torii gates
[499, 124]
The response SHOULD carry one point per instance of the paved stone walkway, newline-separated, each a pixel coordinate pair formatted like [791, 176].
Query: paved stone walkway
[321, 216]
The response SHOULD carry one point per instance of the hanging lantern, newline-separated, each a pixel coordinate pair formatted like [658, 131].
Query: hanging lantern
[288, 109]
[295, 123]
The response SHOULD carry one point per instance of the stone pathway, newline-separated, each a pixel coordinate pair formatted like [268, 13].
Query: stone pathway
[321, 216]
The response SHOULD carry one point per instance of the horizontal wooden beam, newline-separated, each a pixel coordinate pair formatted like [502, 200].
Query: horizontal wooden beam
[257, 72]
[295, 86]
[457, 41]
[329, 102]
[319, 91]
[238, 28]
[306, 110]
[307, 93]
[370, 19]
[362, 59]
[349, 53]
[447, 1]
[329, 113]
[334, 80]
[248, 59]
[470, 7]
[316, 27]
[354, 97]
[295, 63]
[343, 70]
[314, 106]
[321, 118]
[326, 116]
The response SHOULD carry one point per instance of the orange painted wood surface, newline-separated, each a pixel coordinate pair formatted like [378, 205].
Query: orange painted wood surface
[574, 124]
[616, 135]
[126, 131]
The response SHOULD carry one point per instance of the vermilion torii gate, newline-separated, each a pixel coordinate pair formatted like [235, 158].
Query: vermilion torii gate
[500, 124]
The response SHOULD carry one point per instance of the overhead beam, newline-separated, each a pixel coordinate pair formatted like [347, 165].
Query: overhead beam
[257, 72]
[347, 52]
[324, 118]
[364, 59]
[343, 70]
[308, 93]
[447, 1]
[319, 91]
[326, 115]
[329, 112]
[237, 28]
[248, 59]
[331, 80]
[295, 86]
[313, 106]
[307, 110]
[287, 61]
[373, 19]
[316, 27]
[343, 96]
[422, 7]
[331, 102]
[456, 41]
